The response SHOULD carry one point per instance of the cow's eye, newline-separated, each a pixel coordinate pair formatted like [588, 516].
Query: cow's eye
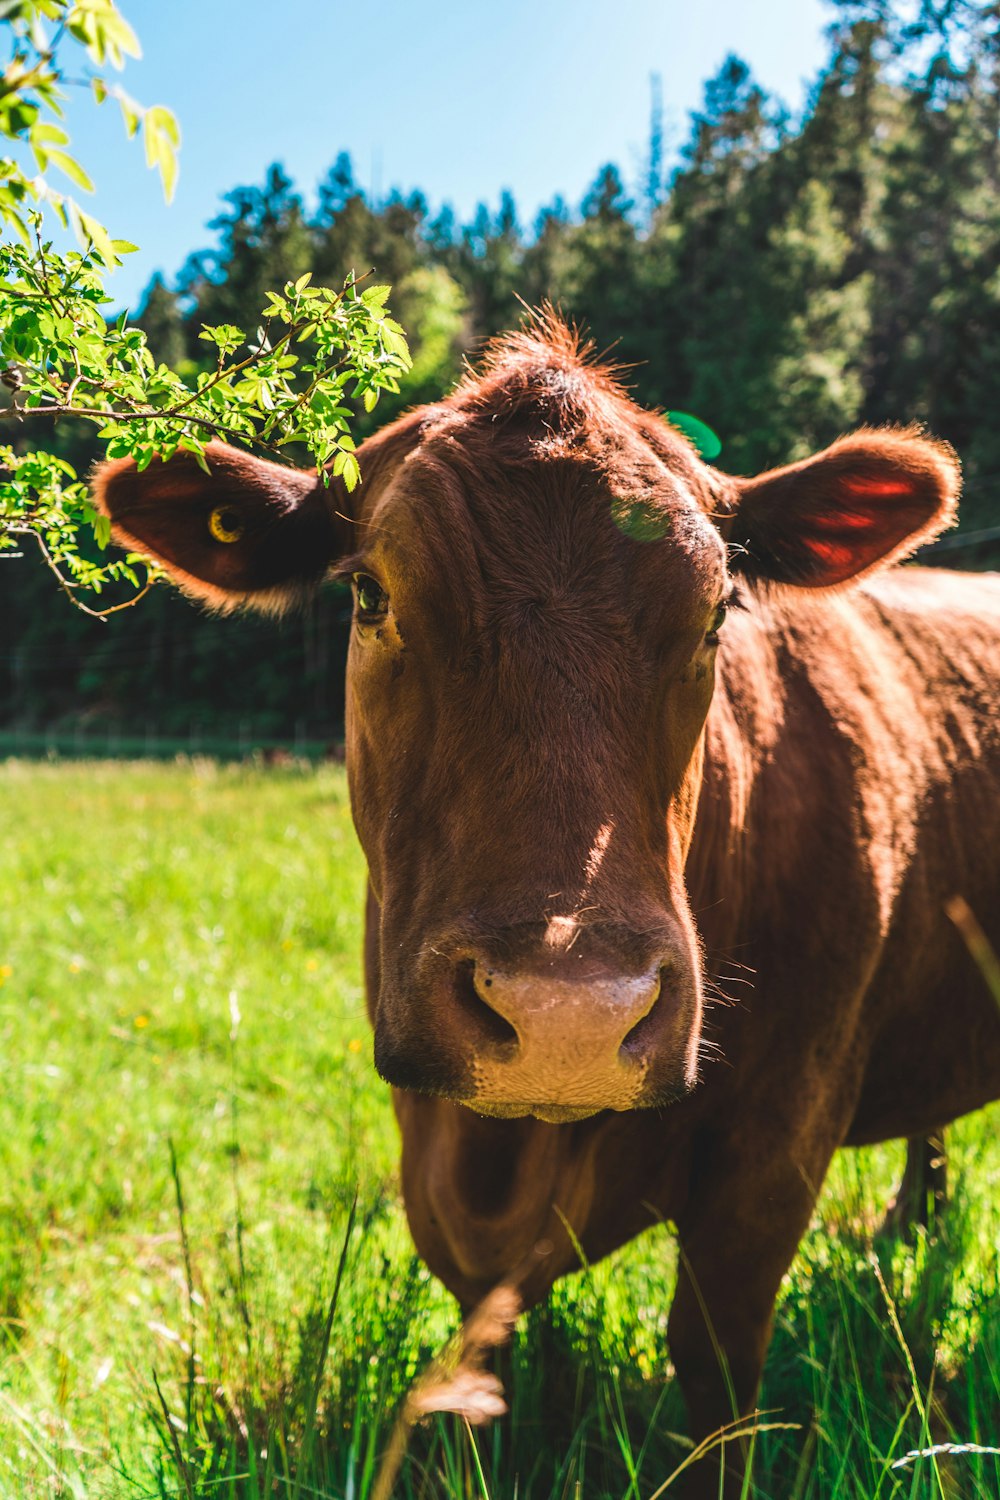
[717, 622]
[373, 601]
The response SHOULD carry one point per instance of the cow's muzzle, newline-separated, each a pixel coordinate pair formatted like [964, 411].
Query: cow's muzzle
[564, 1038]
[558, 1023]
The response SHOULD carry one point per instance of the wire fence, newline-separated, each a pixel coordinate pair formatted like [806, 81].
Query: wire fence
[962, 541]
[127, 742]
[111, 740]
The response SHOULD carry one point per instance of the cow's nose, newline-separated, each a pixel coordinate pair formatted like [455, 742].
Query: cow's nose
[602, 1010]
[559, 1042]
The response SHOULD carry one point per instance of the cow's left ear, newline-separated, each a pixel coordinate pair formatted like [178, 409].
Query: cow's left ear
[248, 532]
[868, 500]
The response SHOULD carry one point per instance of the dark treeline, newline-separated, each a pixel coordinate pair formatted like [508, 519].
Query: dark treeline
[787, 280]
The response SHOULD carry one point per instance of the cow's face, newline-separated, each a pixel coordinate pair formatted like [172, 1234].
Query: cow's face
[541, 576]
[528, 680]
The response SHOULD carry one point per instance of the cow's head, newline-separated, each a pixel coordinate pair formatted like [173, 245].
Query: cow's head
[541, 574]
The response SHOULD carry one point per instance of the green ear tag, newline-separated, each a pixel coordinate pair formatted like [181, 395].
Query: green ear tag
[708, 444]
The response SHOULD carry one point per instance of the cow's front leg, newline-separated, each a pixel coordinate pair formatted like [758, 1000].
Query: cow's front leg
[738, 1235]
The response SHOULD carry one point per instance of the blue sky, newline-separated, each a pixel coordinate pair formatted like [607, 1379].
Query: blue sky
[461, 98]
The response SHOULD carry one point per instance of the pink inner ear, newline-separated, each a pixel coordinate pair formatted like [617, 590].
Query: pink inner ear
[845, 520]
[877, 489]
[833, 556]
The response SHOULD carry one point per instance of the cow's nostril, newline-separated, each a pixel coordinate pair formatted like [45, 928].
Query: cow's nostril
[640, 1038]
[472, 997]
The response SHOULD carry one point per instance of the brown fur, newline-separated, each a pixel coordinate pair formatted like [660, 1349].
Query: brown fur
[288, 528]
[555, 775]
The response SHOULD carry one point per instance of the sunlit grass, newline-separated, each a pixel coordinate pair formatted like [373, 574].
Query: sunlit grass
[180, 970]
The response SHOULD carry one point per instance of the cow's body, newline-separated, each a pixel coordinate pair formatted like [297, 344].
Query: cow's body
[845, 800]
[851, 788]
[571, 840]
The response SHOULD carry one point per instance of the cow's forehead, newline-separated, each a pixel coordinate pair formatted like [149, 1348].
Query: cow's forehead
[544, 404]
[541, 469]
[540, 510]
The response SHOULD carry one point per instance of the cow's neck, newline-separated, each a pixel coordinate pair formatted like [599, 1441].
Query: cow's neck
[741, 731]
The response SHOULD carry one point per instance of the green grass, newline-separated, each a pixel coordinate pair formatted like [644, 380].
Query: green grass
[142, 908]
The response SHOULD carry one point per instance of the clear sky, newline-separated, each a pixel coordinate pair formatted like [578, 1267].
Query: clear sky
[461, 98]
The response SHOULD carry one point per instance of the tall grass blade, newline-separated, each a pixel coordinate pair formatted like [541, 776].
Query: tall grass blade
[309, 1430]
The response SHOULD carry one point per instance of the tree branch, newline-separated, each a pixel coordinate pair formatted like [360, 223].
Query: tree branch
[62, 409]
[67, 587]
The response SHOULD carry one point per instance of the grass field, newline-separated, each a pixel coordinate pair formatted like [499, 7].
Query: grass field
[181, 1018]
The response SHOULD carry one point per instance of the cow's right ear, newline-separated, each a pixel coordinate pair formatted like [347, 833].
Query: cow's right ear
[248, 532]
[868, 500]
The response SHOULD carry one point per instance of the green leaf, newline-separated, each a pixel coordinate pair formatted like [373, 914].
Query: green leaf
[72, 169]
[375, 296]
[303, 281]
[102, 528]
[132, 113]
[46, 134]
[226, 337]
[90, 229]
[16, 115]
[162, 138]
[119, 33]
[351, 472]
[397, 346]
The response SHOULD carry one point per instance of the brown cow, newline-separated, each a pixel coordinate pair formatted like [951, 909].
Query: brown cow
[620, 728]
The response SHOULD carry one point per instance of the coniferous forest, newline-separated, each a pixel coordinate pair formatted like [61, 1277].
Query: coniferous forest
[785, 279]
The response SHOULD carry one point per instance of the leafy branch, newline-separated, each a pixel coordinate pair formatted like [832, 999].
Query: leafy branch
[32, 93]
[317, 349]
